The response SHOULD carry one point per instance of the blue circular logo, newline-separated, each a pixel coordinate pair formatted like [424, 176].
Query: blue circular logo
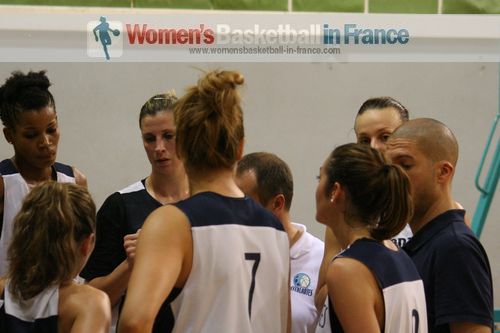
[301, 280]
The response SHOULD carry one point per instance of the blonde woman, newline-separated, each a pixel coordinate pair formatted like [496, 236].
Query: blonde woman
[224, 257]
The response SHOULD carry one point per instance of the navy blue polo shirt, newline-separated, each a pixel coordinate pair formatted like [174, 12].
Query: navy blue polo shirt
[455, 271]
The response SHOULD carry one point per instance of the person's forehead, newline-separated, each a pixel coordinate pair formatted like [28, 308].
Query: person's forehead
[399, 147]
[385, 116]
[36, 118]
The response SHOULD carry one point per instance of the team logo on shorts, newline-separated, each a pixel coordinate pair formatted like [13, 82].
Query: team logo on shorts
[301, 282]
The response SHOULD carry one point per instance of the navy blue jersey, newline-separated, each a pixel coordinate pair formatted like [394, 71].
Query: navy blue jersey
[398, 279]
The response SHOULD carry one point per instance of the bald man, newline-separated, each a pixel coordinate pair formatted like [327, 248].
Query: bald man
[268, 180]
[450, 259]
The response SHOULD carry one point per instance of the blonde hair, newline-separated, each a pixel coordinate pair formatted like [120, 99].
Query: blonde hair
[209, 122]
[53, 220]
[157, 103]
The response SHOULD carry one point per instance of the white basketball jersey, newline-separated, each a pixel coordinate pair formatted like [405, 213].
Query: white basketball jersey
[15, 190]
[240, 272]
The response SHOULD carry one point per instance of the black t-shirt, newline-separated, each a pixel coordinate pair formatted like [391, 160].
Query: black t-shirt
[455, 271]
[123, 213]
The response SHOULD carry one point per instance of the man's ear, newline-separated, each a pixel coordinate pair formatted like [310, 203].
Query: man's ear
[444, 171]
[279, 202]
[276, 204]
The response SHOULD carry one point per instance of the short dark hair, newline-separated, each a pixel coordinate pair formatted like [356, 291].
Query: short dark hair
[273, 176]
[24, 92]
[385, 102]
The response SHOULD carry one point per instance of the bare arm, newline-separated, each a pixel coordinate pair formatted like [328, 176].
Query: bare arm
[355, 295]
[469, 328]
[80, 178]
[163, 260]
[115, 283]
[332, 247]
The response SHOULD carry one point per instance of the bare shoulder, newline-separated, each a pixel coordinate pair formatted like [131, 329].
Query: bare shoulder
[80, 178]
[78, 296]
[346, 267]
[355, 295]
[175, 217]
[350, 275]
[83, 308]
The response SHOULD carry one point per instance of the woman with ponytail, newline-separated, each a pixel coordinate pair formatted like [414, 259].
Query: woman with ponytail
[28, 113]
[220, 258]
[123, 213]
[52, 238]
[365, 200]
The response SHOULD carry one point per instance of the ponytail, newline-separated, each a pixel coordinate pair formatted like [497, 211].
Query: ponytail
[396, 202]
[378, 193]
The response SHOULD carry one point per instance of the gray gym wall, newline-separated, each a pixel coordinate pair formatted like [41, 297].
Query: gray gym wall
[299, 111]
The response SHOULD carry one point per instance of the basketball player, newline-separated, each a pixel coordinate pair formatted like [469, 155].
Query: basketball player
[225, 257]
[365, 200]
[52, 238]
[123, 213]
[28, 113]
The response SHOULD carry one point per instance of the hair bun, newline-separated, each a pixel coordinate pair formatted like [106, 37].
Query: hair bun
[20, 82]
[218, 80]
[217, 90]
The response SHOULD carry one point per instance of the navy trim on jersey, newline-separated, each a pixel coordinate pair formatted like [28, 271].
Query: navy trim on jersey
[374, 255]
[203, 207]
[63, 168]
[7, 167]
[371, 256]
[10, 323]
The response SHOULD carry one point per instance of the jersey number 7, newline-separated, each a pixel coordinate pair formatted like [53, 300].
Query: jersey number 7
[255, 256]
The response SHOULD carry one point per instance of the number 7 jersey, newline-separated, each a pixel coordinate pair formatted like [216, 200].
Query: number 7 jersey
[240, 273]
